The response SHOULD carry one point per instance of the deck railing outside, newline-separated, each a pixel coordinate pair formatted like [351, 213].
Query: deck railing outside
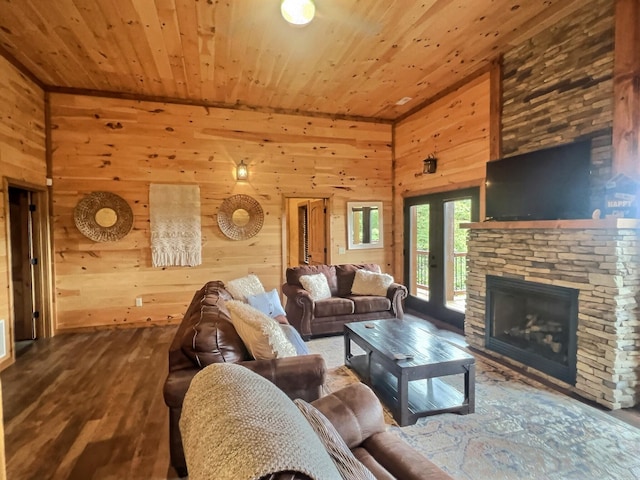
[459, 271]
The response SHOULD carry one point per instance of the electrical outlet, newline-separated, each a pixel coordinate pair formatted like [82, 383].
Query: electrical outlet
[341, 250]
[138, 301]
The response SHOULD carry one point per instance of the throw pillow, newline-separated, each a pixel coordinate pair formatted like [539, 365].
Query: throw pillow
[370, 283]
[348, 465]
[241, 288]
[316, 285]
[260, 333]
[268, 303]
[346, 272]
[296, 340]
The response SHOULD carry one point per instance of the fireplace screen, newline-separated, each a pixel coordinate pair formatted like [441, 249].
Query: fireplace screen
[534, 324]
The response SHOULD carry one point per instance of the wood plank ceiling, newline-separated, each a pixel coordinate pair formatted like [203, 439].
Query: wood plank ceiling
[356, 59]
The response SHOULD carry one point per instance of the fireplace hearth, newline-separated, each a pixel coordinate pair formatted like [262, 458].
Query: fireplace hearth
[534, 324]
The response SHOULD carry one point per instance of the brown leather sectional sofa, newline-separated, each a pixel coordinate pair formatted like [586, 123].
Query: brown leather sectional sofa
[327, 317]
[205, 336]
[354, 411]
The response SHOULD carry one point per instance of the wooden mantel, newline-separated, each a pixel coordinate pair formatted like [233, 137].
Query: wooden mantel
[604, 223]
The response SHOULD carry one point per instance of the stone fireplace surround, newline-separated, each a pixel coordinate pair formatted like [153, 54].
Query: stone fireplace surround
[601, 259]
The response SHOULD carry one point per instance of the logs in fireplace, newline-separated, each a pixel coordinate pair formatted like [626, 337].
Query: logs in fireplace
[540, 332]
[534, 324]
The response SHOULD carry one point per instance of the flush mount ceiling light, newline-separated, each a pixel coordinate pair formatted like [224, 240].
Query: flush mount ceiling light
[298, 12]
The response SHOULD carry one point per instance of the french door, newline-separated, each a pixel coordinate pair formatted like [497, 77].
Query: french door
[436, 252]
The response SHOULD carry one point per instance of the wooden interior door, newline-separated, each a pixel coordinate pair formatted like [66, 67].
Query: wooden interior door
[317, 232]
[21, 266]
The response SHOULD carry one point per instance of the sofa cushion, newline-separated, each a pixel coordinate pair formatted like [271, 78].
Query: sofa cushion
[348, 465]
[316, 285]
[241, 288]
[370, 303]
[329, 271]
[268, 303]
[260, 333]
[333, 306]
[346, 273]
[355, 412]
[370, 283]
[212, 338]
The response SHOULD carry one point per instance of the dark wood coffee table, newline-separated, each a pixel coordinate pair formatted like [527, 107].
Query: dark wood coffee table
[411, 388]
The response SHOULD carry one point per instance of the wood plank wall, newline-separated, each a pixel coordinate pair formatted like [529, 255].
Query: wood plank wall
[456, 130]
[22, 158]
[123, 146]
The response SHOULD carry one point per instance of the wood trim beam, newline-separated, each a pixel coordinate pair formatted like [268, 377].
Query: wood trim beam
[626, 89]
[495, 109]
[199, 103]
[20, 67]
[443, 188]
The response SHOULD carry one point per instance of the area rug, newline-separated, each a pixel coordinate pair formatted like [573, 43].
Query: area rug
[520, 430]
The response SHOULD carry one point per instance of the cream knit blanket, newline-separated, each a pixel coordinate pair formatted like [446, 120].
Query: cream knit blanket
[237, 425]
[175, 225]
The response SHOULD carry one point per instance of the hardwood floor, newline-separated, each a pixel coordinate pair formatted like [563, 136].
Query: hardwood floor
[89, 406]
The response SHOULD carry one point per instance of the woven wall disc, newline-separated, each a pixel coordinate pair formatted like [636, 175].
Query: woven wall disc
[240, 217]
[103, 217]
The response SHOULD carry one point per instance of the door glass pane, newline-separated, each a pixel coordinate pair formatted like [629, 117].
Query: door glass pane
[455, 251]
[420, 215]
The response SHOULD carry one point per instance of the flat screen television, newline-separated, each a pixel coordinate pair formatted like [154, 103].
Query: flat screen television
[548, 184]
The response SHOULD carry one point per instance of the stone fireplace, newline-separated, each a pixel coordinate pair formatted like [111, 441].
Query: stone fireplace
[595, 261]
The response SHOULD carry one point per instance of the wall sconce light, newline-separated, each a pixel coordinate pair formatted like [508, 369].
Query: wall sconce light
[298, 12]
[242, 171]
[430, 164]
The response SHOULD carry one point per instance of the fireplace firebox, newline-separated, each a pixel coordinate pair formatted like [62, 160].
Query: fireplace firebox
[534, 324]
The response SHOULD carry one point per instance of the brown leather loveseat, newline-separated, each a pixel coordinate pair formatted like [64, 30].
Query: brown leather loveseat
[328, 316]
[206, 336]
[285, 443]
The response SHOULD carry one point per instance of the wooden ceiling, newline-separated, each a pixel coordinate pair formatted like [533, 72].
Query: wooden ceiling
[356, 59]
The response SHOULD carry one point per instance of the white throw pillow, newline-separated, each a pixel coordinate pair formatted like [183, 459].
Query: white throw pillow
[260, 333]
[348, 465]
[317, 286]
[371, 283]
[243, 287]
